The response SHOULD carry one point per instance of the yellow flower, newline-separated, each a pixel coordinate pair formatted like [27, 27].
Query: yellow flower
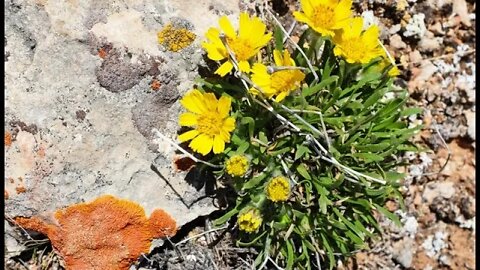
[393, 72]
[244, 45]
[279, 83]
[325, 16]
[210, 119]
[355, 46]
[278, 189]
[250, 220]
[236, 165]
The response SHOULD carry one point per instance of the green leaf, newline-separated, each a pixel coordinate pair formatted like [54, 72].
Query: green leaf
[319, 86]
[301, 151]
[243, 147]
[368, 157]
[254, 181]
[349, 224]
[302, 170]
[246, 244]
[251, 125]
[388, 214]
[331, 258]
[263, 138]
[221, 220]
[372, 147]
[411, 111]
[278, 33]
[290, 255]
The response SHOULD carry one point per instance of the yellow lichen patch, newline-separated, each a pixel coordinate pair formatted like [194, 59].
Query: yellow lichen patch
[175, 39]
[108, 233]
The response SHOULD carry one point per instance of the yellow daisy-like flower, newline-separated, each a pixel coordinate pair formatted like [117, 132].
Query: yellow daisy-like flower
[244, 45]
[278, 189]
[210, 119]
[357, 46]
[279, 83]
[237, 165]
[250, 220]
[325, 16]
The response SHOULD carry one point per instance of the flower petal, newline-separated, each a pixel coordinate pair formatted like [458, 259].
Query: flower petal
[211, 101]
[188, 135]
[202, 144]
[228, 124]
[307, 7]
[215, 53]
[188, 119]
[277, 57]
[370, 36]
[245, 25]
[343, 10]
[227, 27]
[218, 145]
[223, 106]
[193, 101]
[282, 96]
[301, 17]
[224, 69]
[244, 66]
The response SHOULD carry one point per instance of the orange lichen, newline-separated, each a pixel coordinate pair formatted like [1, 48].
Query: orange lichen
[8, 139]
[102, 53]
[155, 84]
[175, 39]
[6, 195]
[108, 233]
[20, 189]
[161, 224]
[11, 180]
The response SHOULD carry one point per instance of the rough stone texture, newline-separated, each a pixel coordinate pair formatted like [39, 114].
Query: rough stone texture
[79, 107]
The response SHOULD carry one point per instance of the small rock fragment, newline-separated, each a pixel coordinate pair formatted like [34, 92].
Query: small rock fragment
[470, 116]
[443, 189]
[460, 8]
[397, 42]
[403, 251]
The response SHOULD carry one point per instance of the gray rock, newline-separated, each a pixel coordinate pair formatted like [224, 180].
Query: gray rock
[470, 116]
[445, 190]
[92, 114]
[403, 251]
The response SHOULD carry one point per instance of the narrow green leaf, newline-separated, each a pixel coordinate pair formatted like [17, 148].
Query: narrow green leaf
[254, 181]
[331, 258]
[319, 86]
[388, 214]
[278, 33]
[368, 157]
[290, 255]
[302, 170]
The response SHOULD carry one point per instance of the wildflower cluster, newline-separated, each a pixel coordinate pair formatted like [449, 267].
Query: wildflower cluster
[307, 134]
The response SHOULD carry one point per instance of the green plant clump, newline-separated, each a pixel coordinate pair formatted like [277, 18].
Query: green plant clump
[308, 136]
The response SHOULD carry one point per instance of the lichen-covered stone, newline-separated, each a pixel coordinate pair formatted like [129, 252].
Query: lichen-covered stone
[79, 104]
[108, 233]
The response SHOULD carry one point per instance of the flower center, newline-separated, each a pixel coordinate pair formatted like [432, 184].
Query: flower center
[209, 123]
[241, 48]
[284, 80]
[323, 16]
[237, 165]
[278, 189]
[354, 48]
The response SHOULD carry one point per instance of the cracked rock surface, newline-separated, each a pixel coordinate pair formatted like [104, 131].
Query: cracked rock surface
[80, 104]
